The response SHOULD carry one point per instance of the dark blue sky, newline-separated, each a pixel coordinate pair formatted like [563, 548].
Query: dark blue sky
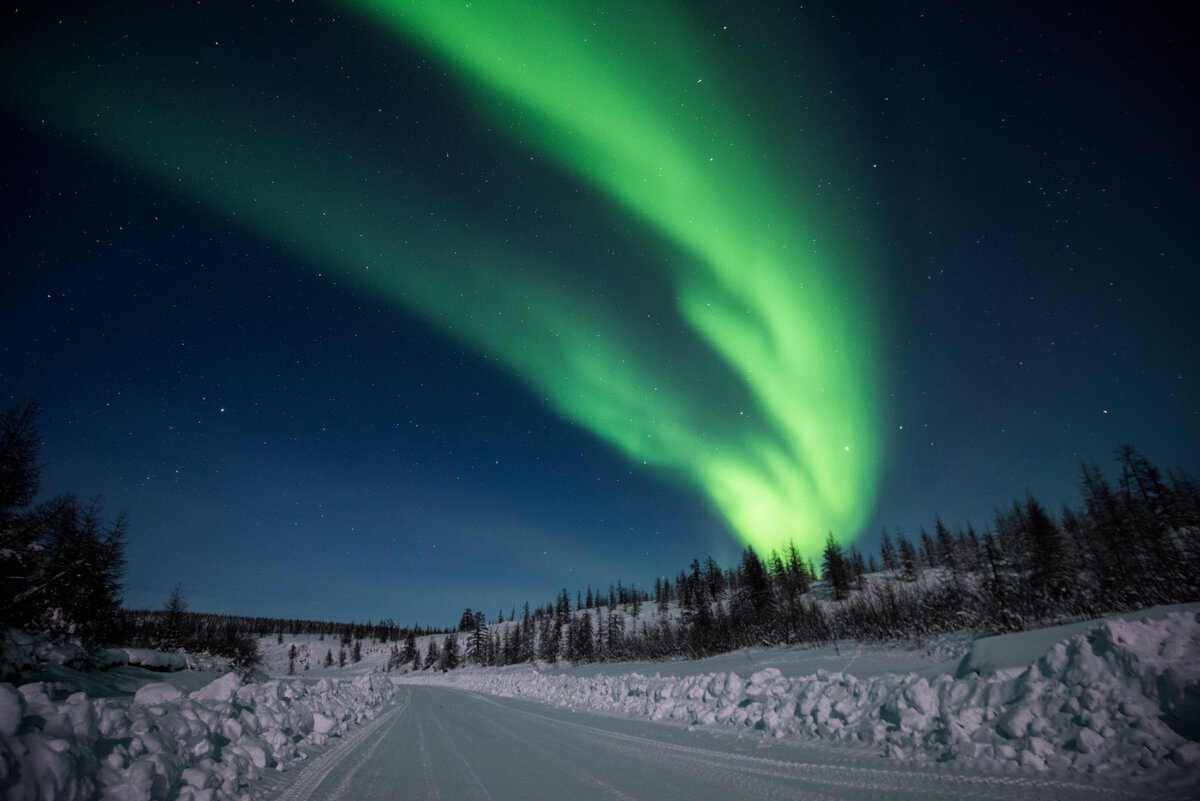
[289, 445]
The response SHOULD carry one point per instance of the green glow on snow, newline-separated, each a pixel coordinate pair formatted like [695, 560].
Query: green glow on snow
[763, 403]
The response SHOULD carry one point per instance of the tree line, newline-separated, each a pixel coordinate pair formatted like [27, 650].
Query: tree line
[1133, 543]
[174, 628]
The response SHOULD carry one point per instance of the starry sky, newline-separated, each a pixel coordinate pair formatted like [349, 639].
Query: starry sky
[369, 310]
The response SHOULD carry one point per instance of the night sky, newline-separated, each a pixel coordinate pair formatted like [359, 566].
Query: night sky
[383, 310]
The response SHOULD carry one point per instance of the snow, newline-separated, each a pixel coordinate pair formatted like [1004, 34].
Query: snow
[22, 652]
[1119, 699]
[222, 689]
[1113, 700]
[158, 692]
[154, 660]
[163, 743]
[989, 656]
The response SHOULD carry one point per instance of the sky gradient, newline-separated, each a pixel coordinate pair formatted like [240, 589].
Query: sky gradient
[365, 314]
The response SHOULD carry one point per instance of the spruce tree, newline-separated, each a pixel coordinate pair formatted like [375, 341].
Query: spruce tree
[548, 639]
[797, 571]
[928, 551]
[755, 598]
[858, 568]
[946, 552]
[174, 610]
[410, 647]
[478, 643]
[1109, 529]
[450, 655]
[910, 565]
[836, 569]
[887, 552]
[1051, 576]
[716, 579]
[525, 638]
[432, 656]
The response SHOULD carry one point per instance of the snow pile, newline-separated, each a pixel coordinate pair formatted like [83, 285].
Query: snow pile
[155, 660]
[21, 652]
[164, 744]
[1120, 700]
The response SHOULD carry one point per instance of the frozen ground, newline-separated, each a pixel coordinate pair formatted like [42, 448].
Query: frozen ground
[1099, 710]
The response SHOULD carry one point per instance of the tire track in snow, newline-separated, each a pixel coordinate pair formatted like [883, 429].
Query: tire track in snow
[461, 763]
[926, 780]
[314, 774]
[448, 744]
[427, 773]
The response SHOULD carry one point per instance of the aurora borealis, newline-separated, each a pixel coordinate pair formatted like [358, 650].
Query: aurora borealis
[502, 275]
[793, 341]
[781, 438]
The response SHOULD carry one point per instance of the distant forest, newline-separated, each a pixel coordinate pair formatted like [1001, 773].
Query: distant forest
[1132, 543]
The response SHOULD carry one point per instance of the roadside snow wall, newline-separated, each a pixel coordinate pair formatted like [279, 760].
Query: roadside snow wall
[1121, 700]
[163, 744]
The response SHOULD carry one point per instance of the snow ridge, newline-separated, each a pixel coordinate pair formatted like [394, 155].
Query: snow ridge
[1121, 700]
[205, 746]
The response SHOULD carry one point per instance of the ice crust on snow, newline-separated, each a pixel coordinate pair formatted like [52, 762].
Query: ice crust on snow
[206, 746]
[1120, 700]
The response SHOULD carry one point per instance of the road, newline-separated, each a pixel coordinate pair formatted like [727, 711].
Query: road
[440, 743]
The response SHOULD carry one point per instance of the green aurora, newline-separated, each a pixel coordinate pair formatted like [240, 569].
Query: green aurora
[755, 384]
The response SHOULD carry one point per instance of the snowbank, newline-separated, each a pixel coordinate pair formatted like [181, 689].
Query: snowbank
[155, 660]
[21, 653]
[989, 656]
[164, 744]
[1120, 700]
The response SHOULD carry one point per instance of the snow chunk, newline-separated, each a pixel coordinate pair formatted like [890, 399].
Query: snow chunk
[223, 689]
[1088, 741]
[157, 692]
[12, 705]
[765, 676]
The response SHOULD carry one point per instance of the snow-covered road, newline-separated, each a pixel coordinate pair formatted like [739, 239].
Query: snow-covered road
[443, 743]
